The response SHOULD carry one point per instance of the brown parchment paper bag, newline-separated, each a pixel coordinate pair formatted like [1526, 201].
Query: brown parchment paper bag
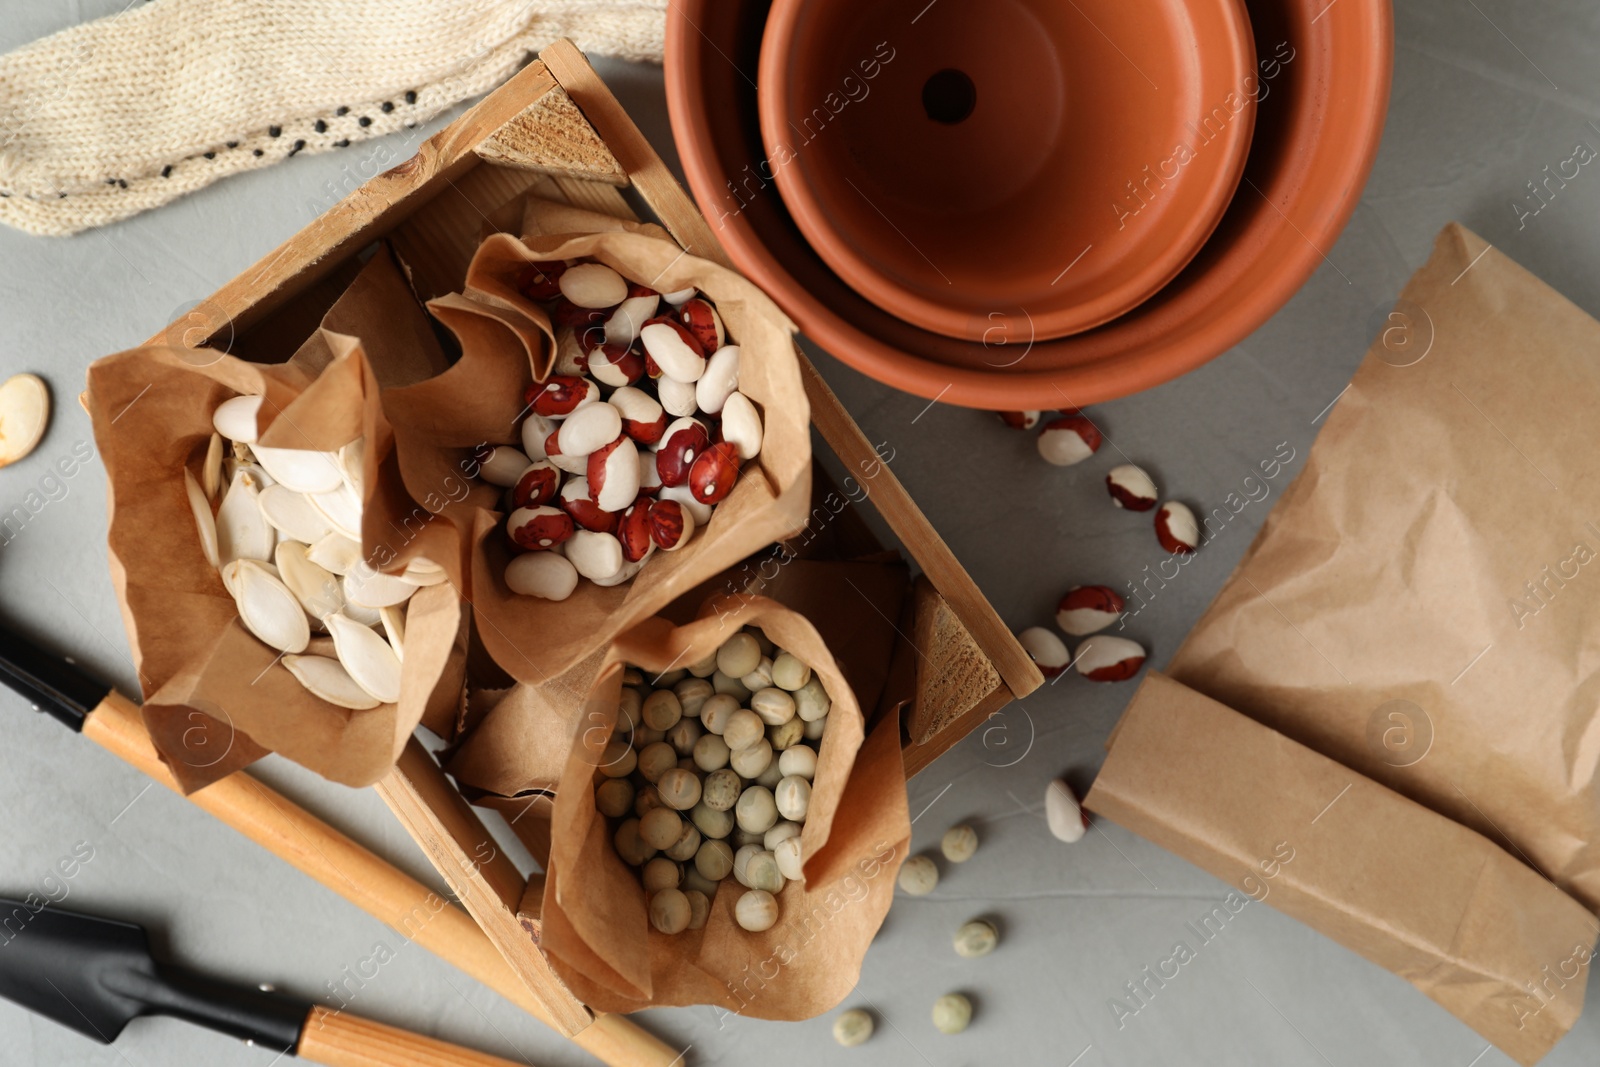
[519, 744]
[507, 344]
[595, 927]
[1437, 903]
[215, 698]
[1417, 609]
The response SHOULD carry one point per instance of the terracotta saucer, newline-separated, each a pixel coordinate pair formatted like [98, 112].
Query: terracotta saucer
[977, 164]
[1324, 72]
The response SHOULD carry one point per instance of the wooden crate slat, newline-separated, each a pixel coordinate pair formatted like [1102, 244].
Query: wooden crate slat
[919, 537]
[481, 876]
[436, 245]
[602, 198]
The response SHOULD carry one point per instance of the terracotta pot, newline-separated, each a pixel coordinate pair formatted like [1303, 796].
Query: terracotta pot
[1011, 164]
[1324, 72]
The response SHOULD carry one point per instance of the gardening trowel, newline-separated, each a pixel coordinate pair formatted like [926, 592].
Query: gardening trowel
[97, 975]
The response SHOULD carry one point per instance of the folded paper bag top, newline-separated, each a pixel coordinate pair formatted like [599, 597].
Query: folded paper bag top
[1436, 903]
[1423, 604]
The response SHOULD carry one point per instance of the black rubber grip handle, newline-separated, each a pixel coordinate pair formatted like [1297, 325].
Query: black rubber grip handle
[55, 684]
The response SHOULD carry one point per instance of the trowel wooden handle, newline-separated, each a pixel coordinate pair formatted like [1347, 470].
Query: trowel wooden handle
[335, 1039]
[366, 880]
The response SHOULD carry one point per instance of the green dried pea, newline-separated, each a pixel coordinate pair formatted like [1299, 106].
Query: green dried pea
[670, 911]
[710, 822]
[699, 908]
[756, 810]
[630, 846]
[721, 790]
[613, 798]
[661, 873]
[692, 694]
[756, 910]
[619, 759]
[852, 1028]
[656, 760]
[739, 655]
[661, 710]
[661, 828]
[976, 938]
[711, 753]
[952, 1013]
[789, 673]
[919, 876]
[773, 705]
[714, 861]
[786, 736]
[959, 843]
[751, 761]
[679, 789]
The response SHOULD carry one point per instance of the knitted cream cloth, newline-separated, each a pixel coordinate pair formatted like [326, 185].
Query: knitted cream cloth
[122, 114]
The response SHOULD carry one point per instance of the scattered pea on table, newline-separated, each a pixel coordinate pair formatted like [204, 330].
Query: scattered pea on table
[919, 876]
[959, 843]
[952, 1013]
[852, 1028]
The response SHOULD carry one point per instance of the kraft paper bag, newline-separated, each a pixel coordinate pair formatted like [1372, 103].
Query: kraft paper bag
[1418, 609]
[594, 923]
[507, 346]
[1440, 905]
[215, 698]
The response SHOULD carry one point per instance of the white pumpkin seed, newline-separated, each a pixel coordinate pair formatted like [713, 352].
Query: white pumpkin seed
[335, 553]
[238, 455]
[242, 530]
[372, 588]
[24, 414]
[327, 679]
[205, 523]
[232, 465]
[211, 471]
[235, 419]
[366, 616]
[229, 573]
[423, 571]
[293, 513]
[342, 508]
[393, 618]
[317, 589]
[371, 661]
[352, 459]
[301, 470]
[268, 609]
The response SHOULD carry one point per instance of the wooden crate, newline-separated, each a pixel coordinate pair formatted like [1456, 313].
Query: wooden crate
[556, 129]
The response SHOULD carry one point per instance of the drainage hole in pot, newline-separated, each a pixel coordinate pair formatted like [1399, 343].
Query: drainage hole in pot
[949, 97]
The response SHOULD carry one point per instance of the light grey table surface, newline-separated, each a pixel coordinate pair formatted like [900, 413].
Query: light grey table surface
[1486, 93]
